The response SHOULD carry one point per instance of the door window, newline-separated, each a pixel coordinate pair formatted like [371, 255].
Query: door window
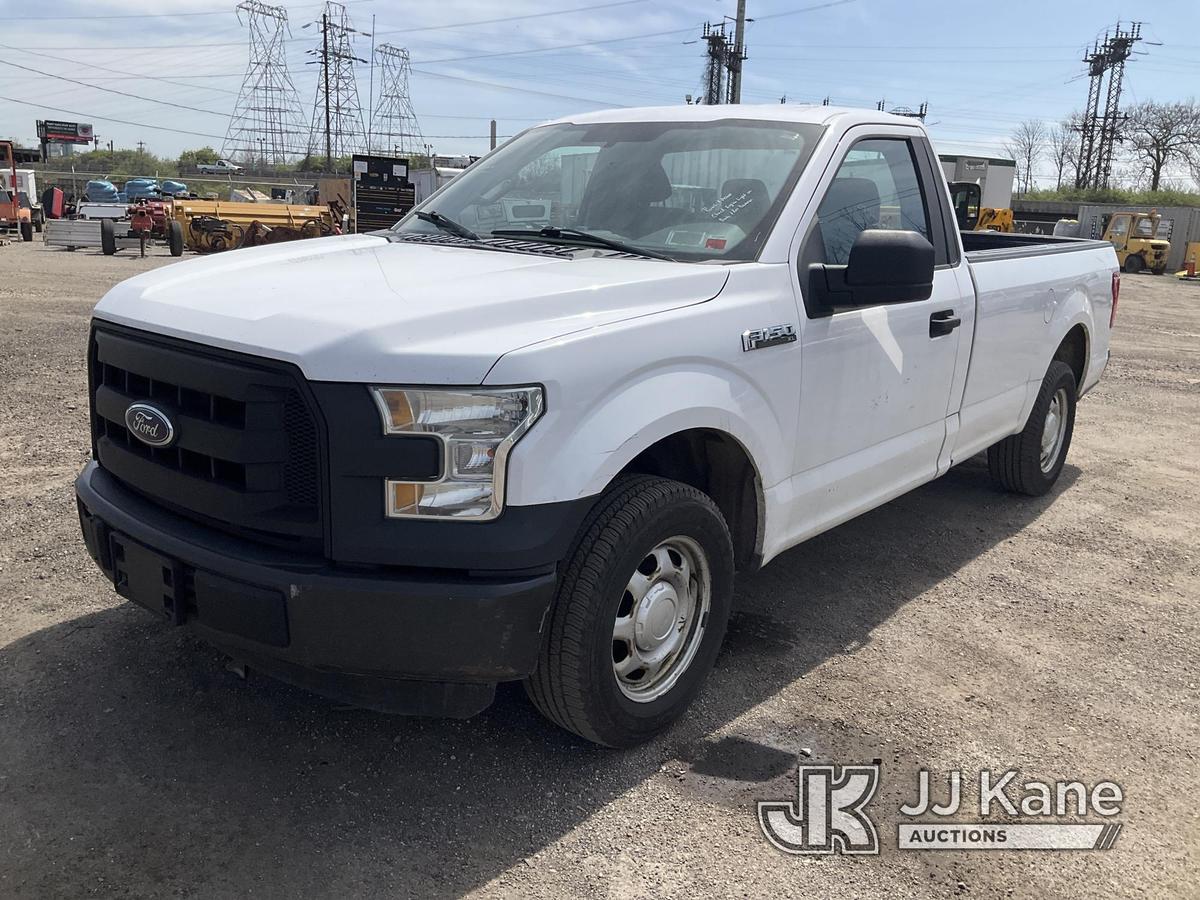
[876, 186]
[1119, 229]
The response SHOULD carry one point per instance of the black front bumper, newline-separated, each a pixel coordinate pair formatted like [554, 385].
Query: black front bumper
[417, 641]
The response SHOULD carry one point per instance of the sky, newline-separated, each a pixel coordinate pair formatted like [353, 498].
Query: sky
[981, 67]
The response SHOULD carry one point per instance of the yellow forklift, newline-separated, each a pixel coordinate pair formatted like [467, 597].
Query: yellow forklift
[1134, 235]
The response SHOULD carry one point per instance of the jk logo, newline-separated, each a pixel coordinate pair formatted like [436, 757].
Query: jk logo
[828, 815]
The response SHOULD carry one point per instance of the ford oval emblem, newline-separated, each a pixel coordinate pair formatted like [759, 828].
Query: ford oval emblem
[149, 425]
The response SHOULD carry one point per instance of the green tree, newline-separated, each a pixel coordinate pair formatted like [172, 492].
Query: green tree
[189, 159]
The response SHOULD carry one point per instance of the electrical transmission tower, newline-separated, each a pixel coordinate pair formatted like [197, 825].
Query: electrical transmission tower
[718, 62]
[337, 123]
[1101, 132]
[266, 124]
[394, 127]
[723, 70]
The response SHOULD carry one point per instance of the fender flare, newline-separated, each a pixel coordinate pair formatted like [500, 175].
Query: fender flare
[579, 451]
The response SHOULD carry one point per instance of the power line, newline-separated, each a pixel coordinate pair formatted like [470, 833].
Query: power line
[90, 65]
[176, 15]
[506, 19]
[88, 115]
[496, 85]
[96, 87]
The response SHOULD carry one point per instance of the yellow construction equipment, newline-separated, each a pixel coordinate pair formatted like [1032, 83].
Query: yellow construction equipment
[971, 216]
[995, 220]
[210, 226]
[1134, 237]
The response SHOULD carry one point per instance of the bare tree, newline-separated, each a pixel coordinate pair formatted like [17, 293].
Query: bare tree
[1063, 143]
[1160, 134]
[1026, 145]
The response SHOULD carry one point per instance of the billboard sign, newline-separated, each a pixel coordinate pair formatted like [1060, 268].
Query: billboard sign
[50, 131]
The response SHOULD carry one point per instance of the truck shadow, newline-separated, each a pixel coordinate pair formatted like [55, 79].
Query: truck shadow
[128, 752]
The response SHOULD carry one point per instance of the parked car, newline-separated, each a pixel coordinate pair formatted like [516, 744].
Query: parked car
[399, 468]
[221, 167]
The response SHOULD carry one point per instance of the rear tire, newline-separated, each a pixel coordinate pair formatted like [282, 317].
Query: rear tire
[1030, 461]
[27, 231]
[108, 237]
[175, 237]
[616, 668]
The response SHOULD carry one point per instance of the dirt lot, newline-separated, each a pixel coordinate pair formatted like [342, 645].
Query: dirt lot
[954, 628]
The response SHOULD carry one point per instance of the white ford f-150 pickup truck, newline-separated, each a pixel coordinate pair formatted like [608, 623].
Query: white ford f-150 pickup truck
[531, 432]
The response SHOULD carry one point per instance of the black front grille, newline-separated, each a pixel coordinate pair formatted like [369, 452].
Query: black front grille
[248, 448]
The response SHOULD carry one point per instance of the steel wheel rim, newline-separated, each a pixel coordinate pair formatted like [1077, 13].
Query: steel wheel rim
[661, 619]
[1054, 429]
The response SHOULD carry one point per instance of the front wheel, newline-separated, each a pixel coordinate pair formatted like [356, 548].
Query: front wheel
[640, 613]
[175, 237]
[1133, 264]
[1030, 461]
[108, 237]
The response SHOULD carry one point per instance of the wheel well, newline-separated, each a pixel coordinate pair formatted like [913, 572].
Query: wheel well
[1073, 351]
[715, 463]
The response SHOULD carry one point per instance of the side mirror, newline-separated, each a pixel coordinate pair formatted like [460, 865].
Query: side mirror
[885, 266]
[968, 198]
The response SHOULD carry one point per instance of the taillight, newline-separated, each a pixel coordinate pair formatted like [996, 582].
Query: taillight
[1116, 292]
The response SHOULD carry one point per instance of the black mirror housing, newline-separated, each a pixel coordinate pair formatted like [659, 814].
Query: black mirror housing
[885, 266]
[968, 200]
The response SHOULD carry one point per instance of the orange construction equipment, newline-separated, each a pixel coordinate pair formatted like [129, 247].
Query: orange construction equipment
[14, 214]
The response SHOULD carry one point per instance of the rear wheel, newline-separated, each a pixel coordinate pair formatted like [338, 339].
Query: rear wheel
[1030, 462]
[27, 231]
[108, 237]
[175, 237]
[640, 613]
[1134, 263]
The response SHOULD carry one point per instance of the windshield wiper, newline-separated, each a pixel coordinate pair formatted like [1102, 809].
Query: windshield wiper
[436, 218]
[585, 237]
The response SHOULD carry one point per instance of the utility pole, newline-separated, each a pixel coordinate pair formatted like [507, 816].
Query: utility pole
[739, 54]
[337, 115]
[1099, 133]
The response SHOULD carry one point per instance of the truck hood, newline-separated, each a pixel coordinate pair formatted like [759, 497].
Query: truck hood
[359, 308]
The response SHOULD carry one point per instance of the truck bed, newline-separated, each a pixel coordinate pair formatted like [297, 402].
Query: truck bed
[983, 246]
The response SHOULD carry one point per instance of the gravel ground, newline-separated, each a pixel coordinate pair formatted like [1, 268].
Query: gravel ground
[954, 628]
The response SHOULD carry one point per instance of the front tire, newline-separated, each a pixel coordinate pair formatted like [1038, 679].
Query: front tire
[175, 237]
[1133, 264]
[1030, 461]
[639, 615]
[108, 237]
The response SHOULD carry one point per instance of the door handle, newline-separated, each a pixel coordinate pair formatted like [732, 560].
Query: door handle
[943, 322]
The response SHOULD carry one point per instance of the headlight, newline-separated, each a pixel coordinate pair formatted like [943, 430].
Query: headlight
[477, 429]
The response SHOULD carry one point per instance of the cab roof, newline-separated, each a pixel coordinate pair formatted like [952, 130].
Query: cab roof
[814, 114]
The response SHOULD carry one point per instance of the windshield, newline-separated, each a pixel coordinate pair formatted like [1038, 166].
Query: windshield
[688, 190]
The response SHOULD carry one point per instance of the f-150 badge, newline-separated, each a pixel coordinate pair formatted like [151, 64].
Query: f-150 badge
[761, 338]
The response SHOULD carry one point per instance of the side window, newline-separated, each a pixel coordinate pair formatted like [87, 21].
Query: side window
[1120, 227]
[876, 186]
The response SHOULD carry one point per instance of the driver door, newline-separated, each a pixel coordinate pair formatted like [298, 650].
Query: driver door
[876, 380]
